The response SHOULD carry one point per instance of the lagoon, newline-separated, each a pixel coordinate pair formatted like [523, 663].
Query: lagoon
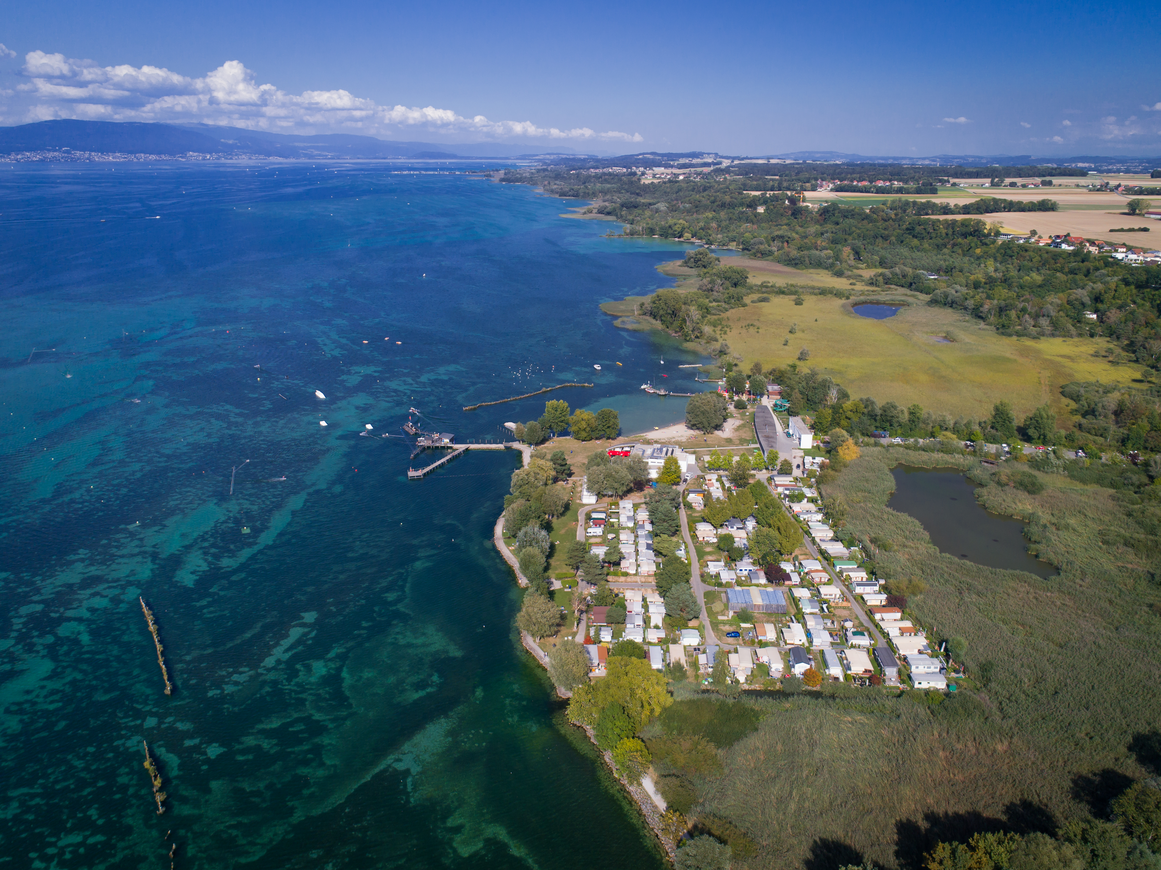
[944, 503]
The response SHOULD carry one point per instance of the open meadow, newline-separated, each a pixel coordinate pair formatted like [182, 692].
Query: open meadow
[945, 361]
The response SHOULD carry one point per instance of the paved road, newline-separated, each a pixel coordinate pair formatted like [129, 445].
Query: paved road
[870, 624]
[699, 588]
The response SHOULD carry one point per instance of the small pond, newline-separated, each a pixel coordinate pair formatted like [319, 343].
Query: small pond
[944, 503]
[876, 312]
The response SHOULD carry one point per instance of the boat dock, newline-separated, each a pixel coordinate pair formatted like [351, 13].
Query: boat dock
[661, 391]
[418, 473]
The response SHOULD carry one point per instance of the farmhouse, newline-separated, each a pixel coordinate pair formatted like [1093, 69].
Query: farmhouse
[800, 660]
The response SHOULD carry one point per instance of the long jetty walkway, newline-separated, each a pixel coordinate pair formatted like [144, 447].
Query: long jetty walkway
[417, 473]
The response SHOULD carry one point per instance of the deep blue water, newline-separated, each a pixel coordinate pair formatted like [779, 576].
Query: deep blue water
[349, 692]
[876, 312]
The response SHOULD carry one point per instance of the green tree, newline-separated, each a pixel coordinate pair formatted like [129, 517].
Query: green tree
[765, 546]
[1137, 206]
[611, 478]
[1041, 852]
[613, 555]
[672, 571]
[703, 853]
[632, 758]
[534, 433]
[736, 382]
[560, 466]
[670, 474]
[612, 726]
[637, 468]
[1139, 810]
[568, 665]
[533, 536]
[957, 649]
[701, 259]
[720, 675]
[526, 483]
[555, 417]
[531, 564]
[538, 616]
[574, 553]
[631, 683]
[608, 424]
[1004, 421]
[811, 678]
[784, 467]
[556, 500]
[725, 542]
[758, 385]
[583, 424]
[604, 596]
[628, 649]
[592, 570]
[740, 474]
[1040, 425]
[706, 412]
[680, 601]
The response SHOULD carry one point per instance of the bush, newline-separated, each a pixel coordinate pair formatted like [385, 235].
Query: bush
[629, 649]
[1028, 482]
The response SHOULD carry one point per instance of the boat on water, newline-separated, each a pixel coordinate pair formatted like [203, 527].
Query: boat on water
[597, 366]
[618, 363]
[319, 394]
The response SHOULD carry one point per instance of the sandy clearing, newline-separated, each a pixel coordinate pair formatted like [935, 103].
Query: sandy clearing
[681, 432]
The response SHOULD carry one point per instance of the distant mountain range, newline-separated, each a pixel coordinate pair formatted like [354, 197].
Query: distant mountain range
[178, 140]
[173, 140]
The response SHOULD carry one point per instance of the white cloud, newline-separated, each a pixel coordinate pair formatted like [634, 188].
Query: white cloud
[1066, 122]
[1057, 140]
[960, 120]
[5, 51]
[1156, 107]
[1025, 124]
[61, 87]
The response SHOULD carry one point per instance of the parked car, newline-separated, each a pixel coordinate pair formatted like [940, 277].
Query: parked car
[733, 634]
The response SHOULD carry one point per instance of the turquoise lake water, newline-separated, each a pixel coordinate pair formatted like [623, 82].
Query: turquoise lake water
[349, 693]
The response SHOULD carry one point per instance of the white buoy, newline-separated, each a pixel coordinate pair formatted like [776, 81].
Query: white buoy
[322, 422]
[319, 393]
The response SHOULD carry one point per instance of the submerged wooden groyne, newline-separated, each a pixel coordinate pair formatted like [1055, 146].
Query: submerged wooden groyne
[152, 623]
[155, 777]
[525, 396]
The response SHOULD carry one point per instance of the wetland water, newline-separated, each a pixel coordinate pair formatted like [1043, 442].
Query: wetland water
[944, 502]
[877, 312]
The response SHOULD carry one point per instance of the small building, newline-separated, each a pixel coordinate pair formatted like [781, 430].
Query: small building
[793, 634]
[696, 499]
[656, 658]
[909, 646]
[885, 614]
[690, 637]
[637, 634]
[856, 637]
[830, 592]
[832, 665]
[800, 661]
[742, 663]
[920, 663]
[874, 599]
[859, 663]
[801, 433]
[770, 657]
[888, 662]
[809, 605]
[929, 681]
[599, 616]
[756, 600]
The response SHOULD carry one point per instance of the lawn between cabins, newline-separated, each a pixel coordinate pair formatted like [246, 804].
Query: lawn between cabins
[909, 358]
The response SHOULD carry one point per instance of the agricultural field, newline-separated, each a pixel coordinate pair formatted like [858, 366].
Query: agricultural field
[943, 360]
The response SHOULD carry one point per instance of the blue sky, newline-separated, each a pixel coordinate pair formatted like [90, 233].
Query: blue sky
[887, 78]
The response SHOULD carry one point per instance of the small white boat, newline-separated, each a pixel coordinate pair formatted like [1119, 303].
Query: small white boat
[368, 426]
[319, 394]
[597, 367]
[322, 422]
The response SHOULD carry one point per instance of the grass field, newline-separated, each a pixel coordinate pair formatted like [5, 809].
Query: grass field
[903, 358]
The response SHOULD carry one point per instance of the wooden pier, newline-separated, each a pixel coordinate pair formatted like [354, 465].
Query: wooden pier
[417, 473]
[524, 396]
[152, 623]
